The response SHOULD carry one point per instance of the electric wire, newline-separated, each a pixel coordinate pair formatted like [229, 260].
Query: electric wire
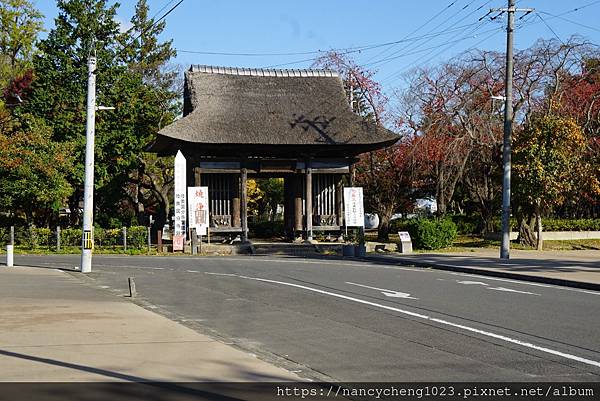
[408, 47]
[416, 30]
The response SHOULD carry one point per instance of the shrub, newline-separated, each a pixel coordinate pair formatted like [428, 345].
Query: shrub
[399, 225]
[266, 229]
[432, 233]
[137, 237]
[571, 224]
[71, 236]
[467, 225]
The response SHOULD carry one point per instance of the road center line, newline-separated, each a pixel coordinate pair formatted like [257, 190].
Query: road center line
[425, 317]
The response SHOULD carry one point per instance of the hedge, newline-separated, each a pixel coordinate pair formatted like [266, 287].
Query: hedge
[432, 233]
[44, 237]
[266, 229]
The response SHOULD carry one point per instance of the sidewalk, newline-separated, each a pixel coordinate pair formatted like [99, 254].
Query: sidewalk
[54, 329]
[580, 269]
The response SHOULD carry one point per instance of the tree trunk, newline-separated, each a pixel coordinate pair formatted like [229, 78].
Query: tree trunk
[526, 236]
[383, 231]
[538, 224]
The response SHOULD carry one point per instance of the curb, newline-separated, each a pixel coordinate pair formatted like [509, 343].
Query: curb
[485, 272]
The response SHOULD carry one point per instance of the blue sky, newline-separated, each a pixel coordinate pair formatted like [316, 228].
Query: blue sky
[449, 26]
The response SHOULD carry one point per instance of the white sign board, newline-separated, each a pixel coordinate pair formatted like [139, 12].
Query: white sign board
[180, 199]
[354, 213]
[404, 236]
[198, 208]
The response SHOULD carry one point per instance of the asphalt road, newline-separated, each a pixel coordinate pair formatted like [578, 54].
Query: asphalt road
[345, 320]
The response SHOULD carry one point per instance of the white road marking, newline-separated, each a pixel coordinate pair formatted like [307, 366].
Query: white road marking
[495, 288]
[131, 267]
[387, 293]
[506, 280]
[431, 319]
[222, 274]
[511, 290]
[192, 271]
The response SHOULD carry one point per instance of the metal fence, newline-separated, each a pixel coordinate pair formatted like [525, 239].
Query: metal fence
[58, 238]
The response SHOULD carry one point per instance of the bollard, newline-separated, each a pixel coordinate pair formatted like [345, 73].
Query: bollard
[132, 291]
[159, 241]
[10, 248]
[124, 238]
[149, 241]
[57, 238]
[9, 255]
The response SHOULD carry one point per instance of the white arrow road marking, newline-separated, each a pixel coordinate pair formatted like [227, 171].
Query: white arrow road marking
[496, 288]
[425, 317]
[511, 290]
[387, 293]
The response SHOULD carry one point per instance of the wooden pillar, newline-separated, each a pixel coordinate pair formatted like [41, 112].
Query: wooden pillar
[288, 202]
[339, 200]
[244, 204]
[309, 232]
[197, 176]
[235, 203]
[298, 225]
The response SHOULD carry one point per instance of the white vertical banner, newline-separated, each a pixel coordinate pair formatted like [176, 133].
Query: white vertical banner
[180, 202]
[198, 209]
[354, 212]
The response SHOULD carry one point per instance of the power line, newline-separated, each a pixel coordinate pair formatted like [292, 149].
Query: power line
[361, 49]
[165, 6]
[416, 30]
[554, 16]
[571, 21]
[579, 57]
[397, 75]
[154, 23]
[469, 36]
[384, 61]
[345, 49]
[399, 72]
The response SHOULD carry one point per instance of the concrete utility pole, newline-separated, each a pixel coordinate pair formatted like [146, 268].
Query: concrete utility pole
[87, 241]
[508, 120]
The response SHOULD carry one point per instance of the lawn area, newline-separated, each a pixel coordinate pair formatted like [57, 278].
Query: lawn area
[466, 243]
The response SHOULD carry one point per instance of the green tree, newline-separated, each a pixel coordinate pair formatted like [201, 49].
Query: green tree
[20, 25]
[547, 164]
[33, 170]
[84, 28]
[148, 58]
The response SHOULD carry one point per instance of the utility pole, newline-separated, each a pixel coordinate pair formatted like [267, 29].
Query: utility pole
[508, 120]
[87, 241]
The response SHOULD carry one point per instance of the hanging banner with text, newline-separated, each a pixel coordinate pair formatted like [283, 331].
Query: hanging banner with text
[180, 202]
[354, 213]
[198, 209]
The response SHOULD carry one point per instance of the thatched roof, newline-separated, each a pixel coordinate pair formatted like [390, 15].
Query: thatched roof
[260, 112]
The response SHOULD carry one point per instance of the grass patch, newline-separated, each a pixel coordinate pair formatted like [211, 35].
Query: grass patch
[472, 243]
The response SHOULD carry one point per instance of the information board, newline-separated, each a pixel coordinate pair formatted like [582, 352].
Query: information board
[354, 212]
[198, 209]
